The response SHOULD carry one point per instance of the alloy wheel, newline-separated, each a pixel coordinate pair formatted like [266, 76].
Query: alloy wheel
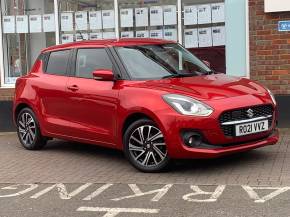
[147, 146]
[27, 129]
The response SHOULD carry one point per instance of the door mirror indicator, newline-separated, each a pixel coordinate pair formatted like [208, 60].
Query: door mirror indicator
[103, 75]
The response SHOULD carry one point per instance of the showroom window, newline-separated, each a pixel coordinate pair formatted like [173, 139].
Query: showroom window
[143, 19]
[203, 28]
[24, 34]
[83, 20]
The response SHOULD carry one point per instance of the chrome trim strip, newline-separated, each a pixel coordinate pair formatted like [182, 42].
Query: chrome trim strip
[246, 121]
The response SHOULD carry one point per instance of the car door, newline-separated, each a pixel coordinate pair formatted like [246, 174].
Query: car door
[52, 91]
[92, 104]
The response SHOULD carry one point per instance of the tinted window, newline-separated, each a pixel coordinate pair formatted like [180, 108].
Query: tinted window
[88, 60]
[58, 62]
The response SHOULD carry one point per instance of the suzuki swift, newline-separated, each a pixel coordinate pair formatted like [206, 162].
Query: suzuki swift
[152, 99]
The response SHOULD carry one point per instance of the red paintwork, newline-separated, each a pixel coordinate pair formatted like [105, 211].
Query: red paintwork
[103, 75]
[95, 111]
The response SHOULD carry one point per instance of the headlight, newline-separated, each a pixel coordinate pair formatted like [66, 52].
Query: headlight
[272, 96]
[187, 106]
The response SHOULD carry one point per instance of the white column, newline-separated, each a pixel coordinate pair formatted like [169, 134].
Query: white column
[57, 26]
[179, 19]
[1, 52]
[116, 8]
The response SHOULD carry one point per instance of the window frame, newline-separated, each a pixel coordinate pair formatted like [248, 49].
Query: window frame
[47, 57]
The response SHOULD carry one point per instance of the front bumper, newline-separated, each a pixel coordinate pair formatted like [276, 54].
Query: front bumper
[214, 151]
[215, 143]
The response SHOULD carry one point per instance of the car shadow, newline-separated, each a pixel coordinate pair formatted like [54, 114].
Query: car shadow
[87, 151]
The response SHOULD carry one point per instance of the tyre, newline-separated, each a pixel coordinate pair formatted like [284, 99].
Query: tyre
[28, 130]
[145, 147]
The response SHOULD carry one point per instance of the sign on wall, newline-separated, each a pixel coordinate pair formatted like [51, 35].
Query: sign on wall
[35, 23]
[9, 24]
[277, 5]
[22, 24]
[67, 38]
[190, 38]
[284, 26]
[142, 34]
[82, 36]
[81, 20]
[170, 17]
[141, 16]
[48, 23]
[96, 35]
[218, 12]
[205, 37]
[108, 17]
[128, 34]
[156, 16]
[95, 19]
[126, 17]
[190, 15]
[170, 34]
[157, 33]
[66, 22]
[204, 14]
[218, 36]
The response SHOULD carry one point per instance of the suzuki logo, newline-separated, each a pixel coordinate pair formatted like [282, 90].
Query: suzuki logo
[250, 113]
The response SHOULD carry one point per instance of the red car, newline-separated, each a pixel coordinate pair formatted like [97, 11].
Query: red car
[152, 99]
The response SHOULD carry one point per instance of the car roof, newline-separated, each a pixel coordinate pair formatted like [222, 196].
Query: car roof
[107, 43]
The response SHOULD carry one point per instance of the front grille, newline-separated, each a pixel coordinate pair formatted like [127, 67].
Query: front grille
[241, 114]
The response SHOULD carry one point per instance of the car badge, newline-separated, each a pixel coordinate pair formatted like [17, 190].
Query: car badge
[250, 113]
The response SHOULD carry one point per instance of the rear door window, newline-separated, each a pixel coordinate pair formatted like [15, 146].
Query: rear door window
[58, 62]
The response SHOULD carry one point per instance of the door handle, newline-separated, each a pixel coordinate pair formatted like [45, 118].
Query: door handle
[73, 88]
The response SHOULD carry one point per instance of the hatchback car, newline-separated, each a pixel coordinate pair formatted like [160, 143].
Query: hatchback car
[152, 99]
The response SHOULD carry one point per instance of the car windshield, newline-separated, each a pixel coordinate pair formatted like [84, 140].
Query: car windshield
[160, 61]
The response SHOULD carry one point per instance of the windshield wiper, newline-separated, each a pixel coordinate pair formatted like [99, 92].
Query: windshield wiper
[178, 75]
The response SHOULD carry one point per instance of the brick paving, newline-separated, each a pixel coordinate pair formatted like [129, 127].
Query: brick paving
[69, 162]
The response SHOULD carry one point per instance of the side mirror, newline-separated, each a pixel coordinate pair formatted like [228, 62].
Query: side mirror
[207, 63]
[103, 75]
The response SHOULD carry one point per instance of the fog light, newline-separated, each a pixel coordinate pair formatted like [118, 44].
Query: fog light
[192, 139]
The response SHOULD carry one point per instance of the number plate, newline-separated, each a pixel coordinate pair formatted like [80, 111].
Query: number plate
[250, 128]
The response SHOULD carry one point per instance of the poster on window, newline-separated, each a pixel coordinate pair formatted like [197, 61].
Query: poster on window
[95, 20]
[108, 18]
[205, 37]
[66, 20]
[109, 35]
[67, 38]
[48, 23]
[81, 20]
[218, 36]
[82, 36]
[128, 34]
[190, 15]
[204, 14]
[170, 34]
[156, 16]
[22, 24]
[141, 16]
[126, 17]
[190, 38]
[218, 12]
[35, 23]
[170, 17]
[8, 24]
[157, 33]
[96, 35]
[142, 34]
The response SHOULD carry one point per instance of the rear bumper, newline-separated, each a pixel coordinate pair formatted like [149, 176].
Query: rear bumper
[214, 151]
